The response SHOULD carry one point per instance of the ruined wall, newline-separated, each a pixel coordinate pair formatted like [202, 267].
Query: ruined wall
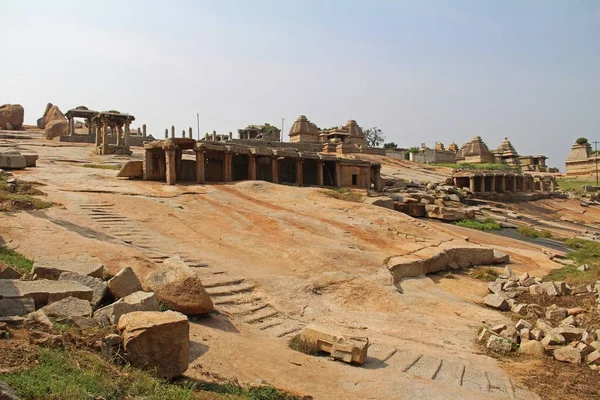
[355, 176]
[433, 156]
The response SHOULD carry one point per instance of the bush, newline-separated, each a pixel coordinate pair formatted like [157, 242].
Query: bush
[488, 225]
[533, 233]
[485, 274]
[581, 140]
[15, 260]
[305, 346]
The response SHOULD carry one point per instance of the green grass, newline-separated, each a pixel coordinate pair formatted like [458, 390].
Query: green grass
[15, 260]
[79, 374]
[486, 166]
[574, 184]
[485, 274]
[488, 225]
[533, 233]
[23, 199]
[343, 194]
[102, 166]
[583, 252]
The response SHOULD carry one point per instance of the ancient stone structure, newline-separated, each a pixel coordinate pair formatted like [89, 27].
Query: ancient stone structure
[304, 131]
[453, 147]
[120, 126]
[581, 161]
[506, 153]
[474, 152]
[534, 163]
[220, 162]
[260, 132]
[80, 112]
[502, 182]
[11, 116]
[437, 155]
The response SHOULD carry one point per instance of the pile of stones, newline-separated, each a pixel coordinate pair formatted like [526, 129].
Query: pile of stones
[555, 330]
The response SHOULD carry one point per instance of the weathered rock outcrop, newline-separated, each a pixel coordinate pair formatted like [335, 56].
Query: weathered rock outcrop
[11, 116]
[157, 341]
[138, 301]
[179, 288]
[350, 350]
[53, 114]
[381, 201]
[16, 307]
[41, 122]
[124, 283]
[69, 307]
[55, 129]
[97, 285]
[448, 255]
[43, 291]
[132, 169]
[7, 272]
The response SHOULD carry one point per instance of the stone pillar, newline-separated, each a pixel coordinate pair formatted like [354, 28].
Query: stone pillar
[173, 131]
[531, 184]
[190, 132]
[252, 167]
[104, 138]
[98, 134]
[275, 170]
[119, 132]
[482, 183]
[200, 167]
[320, 172]
[171, 166]
[514, 184]
[493, 187]
[126, 135]
[552, 185]
[90, 127]
[227, 167]
[455, 182]
[144, 130]
[214, 136]
[148, 166]
[299, 176]
[166, 133]
[472, 184]
[542, 185]
[183, 133]
[338, 174]
[230, 135]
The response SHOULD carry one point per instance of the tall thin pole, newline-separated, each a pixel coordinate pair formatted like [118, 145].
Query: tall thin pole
[198, 118]
[596, 152]
[282, 119]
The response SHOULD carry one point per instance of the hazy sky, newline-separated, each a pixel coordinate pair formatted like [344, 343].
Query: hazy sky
[422, 71]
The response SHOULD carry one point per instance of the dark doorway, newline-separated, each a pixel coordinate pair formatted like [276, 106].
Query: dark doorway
[287, 170]
[329, 178]
[310, 169]
[215, 161]
[264, 170]
[239, 167]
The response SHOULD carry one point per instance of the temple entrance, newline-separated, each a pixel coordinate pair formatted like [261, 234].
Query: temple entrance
[239, 167]
[329, 175]
[215, 166]
[287, 170]
[264, 169]
[310, 171]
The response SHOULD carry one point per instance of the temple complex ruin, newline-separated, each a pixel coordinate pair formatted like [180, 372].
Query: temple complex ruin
[492, 182]
[581, 160]
[506, 153]
[185, 160]
[474, 152]
[437, 155]
[260, 132]
[120, 126]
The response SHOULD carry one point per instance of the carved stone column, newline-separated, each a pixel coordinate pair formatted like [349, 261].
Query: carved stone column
[252, 167]
[514, 184]
[144, 130]
[472, 184]
[119, 132]
[104, 138]
[299, 172]
[98, 134]
[166, 133]
[90, 127]
[493, 187]
[320, 172]
[171, 166]
[338, 174]
[275, 169]
[190, 132]
[227, 167]
[200, 167]
[172, 131]
[126, 136]
[148, 165]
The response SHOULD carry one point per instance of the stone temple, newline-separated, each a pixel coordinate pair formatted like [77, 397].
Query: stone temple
[474, 152]
[581, 161]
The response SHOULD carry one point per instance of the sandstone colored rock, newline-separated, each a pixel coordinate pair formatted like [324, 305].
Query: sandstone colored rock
[550, 289]
[56, 128]
[350, 350]
[53, 114]
[499, 345]
[413, 209]
[7, 272]
[68, 307]
[499, 328]
[13, 115]
[569, 321]
[124, 283]
[568, 354]
[41, 122]
[495, 287]
[380, 201]
[16, 307]
[179, 288]
[97, 285]
[138, 301]
[553, 339]
[496, 301]
[51, 269]
[569, 333]
[555, 313]
[157, 341]
[485, 333]
[593, 358]
[522, 324]
[132, 169]
[532, 348]
[43, 291]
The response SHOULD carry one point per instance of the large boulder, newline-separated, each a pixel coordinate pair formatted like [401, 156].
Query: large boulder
[56, 128]
[69, 307]
[12, 159]
[51, 269]
[41, 122]
[132, 169]
[157, 341]
[96, 284]
[380, 201]
[124, 283]
[138, 301]
[11, 116]
[54, 114]
[43, 291]
[178, 287]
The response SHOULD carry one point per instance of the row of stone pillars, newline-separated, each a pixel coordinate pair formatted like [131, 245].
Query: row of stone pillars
[71, 126]
[190, 133]
[507, 183]
[102, 138]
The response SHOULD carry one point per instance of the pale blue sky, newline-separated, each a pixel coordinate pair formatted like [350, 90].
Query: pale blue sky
[422, 71]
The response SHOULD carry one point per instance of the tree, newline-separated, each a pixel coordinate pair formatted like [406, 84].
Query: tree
[374, 136]
[581, 140]
[390, 146]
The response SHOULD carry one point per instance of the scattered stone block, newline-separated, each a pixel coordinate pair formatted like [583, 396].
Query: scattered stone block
[40, 317]
[7, 272]
[532, 348]
[569, 321]
[339, 347]
[553, 339]
[536, 310]
[496, 301]
[522, 324]
[588, 337]
[593, 358]
[45, 339]
[570, 334]
[562, 288]
[112, 346]
[498, 328]
[511, 334]
[51, 269]
[581, 289]
[83, 322]
[550, 289]
[536, 334]
[179, 287]
[583, 268]
[138, 301]
[556, 313]
[485, 333]
[68, 307]
[543, 325]
[156, 341]
[16, 307]
[97, 285]
[124, 283]
[524, 334]
[575, 310]
[43, 291]
[495, 287]
[380, 201]
[511, 285]
[528, 282]
[536, 289]
[524, 276]
[585, 349]
[499, 345]
[568, 354]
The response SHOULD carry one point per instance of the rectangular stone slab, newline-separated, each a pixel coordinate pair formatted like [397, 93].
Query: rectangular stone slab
[43, 291]
[16, 307]
[51, 269]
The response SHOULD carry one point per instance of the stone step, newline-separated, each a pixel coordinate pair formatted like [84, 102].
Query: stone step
[208, 283]
[261, 315]
[243, 309]
[269, 324]
[222, 291]
[451, 372]
[426, 367]
[475, 379]
[236, 299]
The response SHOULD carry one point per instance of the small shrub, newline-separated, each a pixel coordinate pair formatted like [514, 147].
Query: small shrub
[15, 260]
[449, 276]
[305, 346]
[343, 194]
[581, 140]
[533, 233]
[163, 307]
[488, 225]
[485, 274]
